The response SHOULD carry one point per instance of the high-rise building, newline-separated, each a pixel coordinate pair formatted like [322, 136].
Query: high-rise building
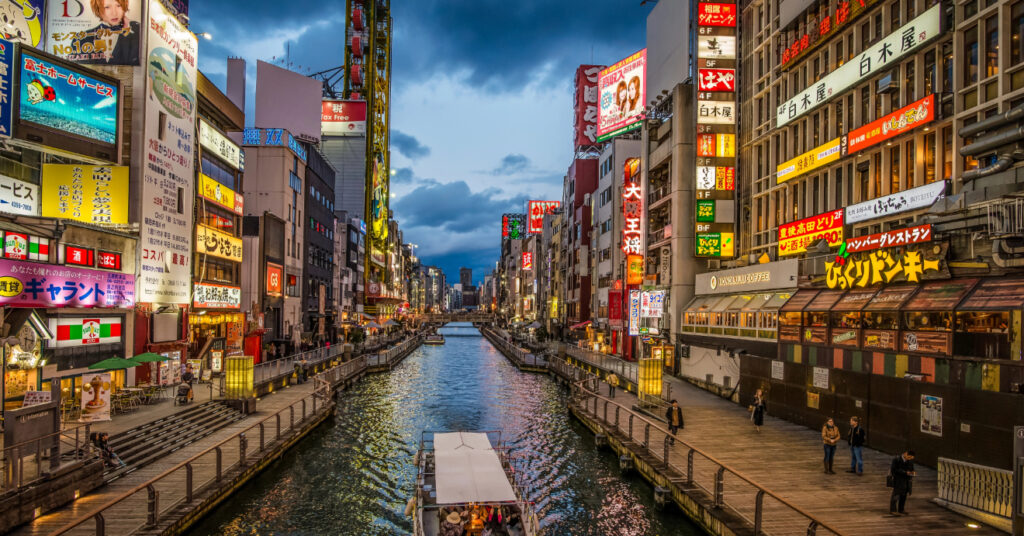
[465, 277]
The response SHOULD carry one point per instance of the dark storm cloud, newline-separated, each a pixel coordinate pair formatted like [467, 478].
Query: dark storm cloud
[453, 207]
[511, 164]
[480, 261]
[254, 18]
[403, 176]
[409, 146]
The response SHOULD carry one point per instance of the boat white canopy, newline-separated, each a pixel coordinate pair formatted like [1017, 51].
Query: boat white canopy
[467, 469]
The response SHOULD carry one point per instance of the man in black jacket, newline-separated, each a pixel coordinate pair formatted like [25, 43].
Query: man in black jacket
[902, 471]
[674, 416]
[856, 440]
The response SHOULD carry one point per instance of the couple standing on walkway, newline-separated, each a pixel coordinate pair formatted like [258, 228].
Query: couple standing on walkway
[855, 438]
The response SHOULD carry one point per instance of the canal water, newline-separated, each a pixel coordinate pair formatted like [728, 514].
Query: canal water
[354, 476]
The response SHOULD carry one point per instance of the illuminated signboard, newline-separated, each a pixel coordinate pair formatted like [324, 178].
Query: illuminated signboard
[18, 197]
[890, 239]
[632, 209]
[513, 226]
[715, 166]
[905, 201]
[219, 244]
[343, 118]
[274, 137]
[537, 210]
[905, 119]
[794, 237]
[652, 303]
[221, 195]
[26, 285]
[844, 11]
[77, 256]
[108, 260]
[527, 260]
[634, 269]
[585, 103]
[209, 296]
[623, 94]
[634, 312]
[879, 57]
[90, 194]
[212, 140]
[884, 266]
[275, 273]
[813, 159]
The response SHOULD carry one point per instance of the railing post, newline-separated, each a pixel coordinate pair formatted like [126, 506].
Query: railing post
[220, 456]
[605, 420]
[153, 505]
[647, 435]
[630, 426]
[291, 416]
[812, 529]
[188, 482]
[303, 410]
[616, 417]
[243, 445]
[758, 511]
[278, 418]
[719, 487]
[101, 524]
[665, 447]
[262, 435]
[689, 468]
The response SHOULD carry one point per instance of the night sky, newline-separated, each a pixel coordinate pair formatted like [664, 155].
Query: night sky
[481, 109]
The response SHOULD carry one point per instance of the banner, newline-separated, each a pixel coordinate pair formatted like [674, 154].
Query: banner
[67, 99]
[905, 201]
[23, 21]
[165, 255]
[343, 118]
[652, 303]
[623, 94]
[794, 237]
[104, 32]
[815, 158]
[95, 397]
[634, 312]
[18, 197]
[902, 120]
[28, 284]
[221, 195]
[890, 239]
[90, 194]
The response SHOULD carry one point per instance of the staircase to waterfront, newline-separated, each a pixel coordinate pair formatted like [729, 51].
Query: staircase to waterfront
[149, 442]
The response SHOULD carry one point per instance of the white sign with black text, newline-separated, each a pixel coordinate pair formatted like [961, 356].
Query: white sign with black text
[905, 201]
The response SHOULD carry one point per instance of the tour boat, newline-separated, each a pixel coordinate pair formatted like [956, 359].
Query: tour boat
[434, 340]
[463, 479]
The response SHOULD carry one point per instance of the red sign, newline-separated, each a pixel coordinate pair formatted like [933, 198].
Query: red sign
[109, 260]
[632, 209]
[78, 256]
[634, 269]
[537, 211]
[716, 79]
[844, 11]
[343, 118]
[274, 276]
[890, 239]
[585, 105]
[527, 260]
[716, 14]
[614, 305]
[705, 145]
[902, 120]
[796, 236]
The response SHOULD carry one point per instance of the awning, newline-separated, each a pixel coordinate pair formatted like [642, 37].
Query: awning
[824, 300]
[468, 470]
[717, 304]
[580, 325]
[798, 301]
[699, 304]
[891, 298]
[940, 295]
[855, 300]
[757, 301]
[739, 302]
[778, 300]
[1001, 294]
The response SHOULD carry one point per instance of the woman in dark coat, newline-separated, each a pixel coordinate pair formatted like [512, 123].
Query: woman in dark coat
[758, 410]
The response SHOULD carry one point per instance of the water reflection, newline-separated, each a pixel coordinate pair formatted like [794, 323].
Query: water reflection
[355, 476]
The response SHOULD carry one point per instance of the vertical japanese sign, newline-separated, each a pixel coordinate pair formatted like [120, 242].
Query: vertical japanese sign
[527, 260]
[167, 192]
[585, 105]
[513, 226]
[537, 210]
[6, 86]
[715, 196]
[634, 312]
[633, 218]
[90, 194]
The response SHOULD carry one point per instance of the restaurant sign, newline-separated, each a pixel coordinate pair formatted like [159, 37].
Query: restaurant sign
[212, 140]
[652, 303]
[26, 284]
[794, 237]
[221, 195]
[634, 312]
[207, 296]
[753, 278]
[890, 239]
[811, 160]
[905, 201]
[903, 120]
[884, 266]
[844, 12]
[876, 59]
[219, 244]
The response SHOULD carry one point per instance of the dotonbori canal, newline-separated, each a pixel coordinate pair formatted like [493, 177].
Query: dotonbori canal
[355, 475]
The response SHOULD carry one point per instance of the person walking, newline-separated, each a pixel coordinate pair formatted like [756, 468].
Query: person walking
[674, 416]
[830, 436]
[901, 476]
[189, 377]
[856, 439]
[613, 382]
[758, 409]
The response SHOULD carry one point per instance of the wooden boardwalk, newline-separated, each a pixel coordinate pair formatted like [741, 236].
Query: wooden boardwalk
[786, 459]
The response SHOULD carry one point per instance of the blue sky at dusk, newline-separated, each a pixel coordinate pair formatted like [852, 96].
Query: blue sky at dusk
[481, 98]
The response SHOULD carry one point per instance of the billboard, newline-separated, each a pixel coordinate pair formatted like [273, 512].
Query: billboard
[210, 241]
[527, 260]
[286, 99]
[815, 158]
[343, 118]
[537, 210]
[90, 194]
[30, 284]
[585, 105]
[878, 58]
[513, 226]
[905, 119]
[6, 88]
[622, 91]
[905, 201]
[62, 104]
[165, 253]
[97, 32]
[23, 21]
[275, 273]
[213, 141]
[207, 296]
[890, 239]
[794, 237]
[632, 210]
[221, 195]
[18, 197]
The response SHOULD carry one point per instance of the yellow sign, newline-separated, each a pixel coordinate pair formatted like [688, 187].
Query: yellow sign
[220, 194]
[90, 194]
[725, 145]
[218, 244]
[880, 266]
[813, 159]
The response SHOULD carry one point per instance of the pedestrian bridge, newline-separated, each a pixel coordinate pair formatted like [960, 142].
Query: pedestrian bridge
[445, 318]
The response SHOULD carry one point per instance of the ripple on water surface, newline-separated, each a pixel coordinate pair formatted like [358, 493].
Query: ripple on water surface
[353, 477]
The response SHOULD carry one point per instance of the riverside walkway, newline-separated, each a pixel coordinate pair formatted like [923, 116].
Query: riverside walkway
[783, 458]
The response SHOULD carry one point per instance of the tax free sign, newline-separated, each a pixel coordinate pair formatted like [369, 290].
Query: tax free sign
[881, 56]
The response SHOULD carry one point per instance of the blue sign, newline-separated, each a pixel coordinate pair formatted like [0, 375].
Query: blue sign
[67, 100]
[273, 136]
[6, 86]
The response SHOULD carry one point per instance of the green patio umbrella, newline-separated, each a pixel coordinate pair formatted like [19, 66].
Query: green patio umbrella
[149, 357]
[114, 363]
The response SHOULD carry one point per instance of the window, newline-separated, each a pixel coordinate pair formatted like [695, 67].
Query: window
[929, 157]
[910, 161]
[947, 153]
[865, 104]
[837, 189]
[839, 118]
[971, 56]
[876, 164]
[909, 82]
[894, 170]
[839, 53]
[929, 72]
[863, 180]
[894, 15]
[991, 46]
[947, 67]
[1017, 33]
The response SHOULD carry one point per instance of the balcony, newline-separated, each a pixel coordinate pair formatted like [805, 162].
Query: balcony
[658, 196]
[660, 237]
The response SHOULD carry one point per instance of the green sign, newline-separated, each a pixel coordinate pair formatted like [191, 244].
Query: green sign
[716, 245]
[706, 211]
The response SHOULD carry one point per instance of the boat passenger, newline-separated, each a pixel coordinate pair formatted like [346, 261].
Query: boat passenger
[452, 525]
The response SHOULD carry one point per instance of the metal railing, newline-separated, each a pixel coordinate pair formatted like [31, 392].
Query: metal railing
[727, 487]
[278, 368]
[29, 461]
[183, 482]
[518, 355]
[985, 490]
[628, 371]
[389, 357]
